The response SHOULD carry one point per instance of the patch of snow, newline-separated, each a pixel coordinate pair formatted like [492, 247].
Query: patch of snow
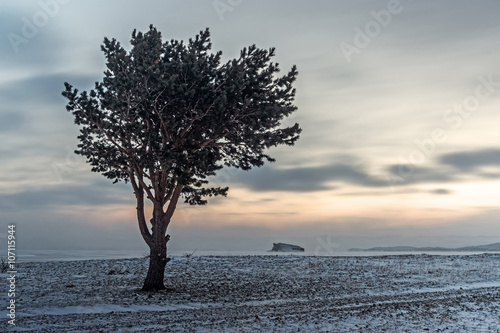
[391, 293]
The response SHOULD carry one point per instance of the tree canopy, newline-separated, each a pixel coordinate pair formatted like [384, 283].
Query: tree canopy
[172, 112]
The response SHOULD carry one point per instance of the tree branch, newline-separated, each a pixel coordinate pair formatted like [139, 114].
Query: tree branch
[141, 218]
[172, 204]
[170, 191]
[144, 185]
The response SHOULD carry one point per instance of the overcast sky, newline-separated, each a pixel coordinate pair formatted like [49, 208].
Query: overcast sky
[399, 102]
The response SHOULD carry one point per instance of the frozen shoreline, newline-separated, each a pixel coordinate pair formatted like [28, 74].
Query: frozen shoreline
[390, 293]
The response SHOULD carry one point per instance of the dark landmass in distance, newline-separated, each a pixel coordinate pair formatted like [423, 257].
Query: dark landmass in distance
[490, 247]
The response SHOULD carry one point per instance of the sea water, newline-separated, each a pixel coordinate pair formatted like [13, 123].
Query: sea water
[67, 255]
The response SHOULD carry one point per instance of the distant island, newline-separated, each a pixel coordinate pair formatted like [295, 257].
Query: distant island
[490, 247]
[282, 247]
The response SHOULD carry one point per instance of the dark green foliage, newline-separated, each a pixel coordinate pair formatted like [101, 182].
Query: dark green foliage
[169, 113]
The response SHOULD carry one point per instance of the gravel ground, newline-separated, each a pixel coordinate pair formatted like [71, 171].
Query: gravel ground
[405, 293]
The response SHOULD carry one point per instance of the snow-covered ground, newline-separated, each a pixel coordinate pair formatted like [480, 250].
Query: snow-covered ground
[405, 293]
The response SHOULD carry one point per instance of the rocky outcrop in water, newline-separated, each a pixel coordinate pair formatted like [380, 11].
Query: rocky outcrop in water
[282, 247]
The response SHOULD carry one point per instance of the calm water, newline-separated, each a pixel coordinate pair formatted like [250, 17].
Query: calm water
[66, 255]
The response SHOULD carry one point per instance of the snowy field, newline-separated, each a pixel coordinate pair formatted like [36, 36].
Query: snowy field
[404, 293]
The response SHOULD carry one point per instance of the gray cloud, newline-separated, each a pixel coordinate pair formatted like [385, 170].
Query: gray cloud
[44, 89]
[441, 191]
[399, 190]
[409, 174]
[472, 160]
[328, 177]
[97, 193]
[450, 167]
[306, 179]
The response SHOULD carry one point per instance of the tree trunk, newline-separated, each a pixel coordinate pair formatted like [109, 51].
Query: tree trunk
[157, 254]
[157, 242]
[157, 262]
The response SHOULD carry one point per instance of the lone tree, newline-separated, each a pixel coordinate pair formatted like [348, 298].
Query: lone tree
[169, 114]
